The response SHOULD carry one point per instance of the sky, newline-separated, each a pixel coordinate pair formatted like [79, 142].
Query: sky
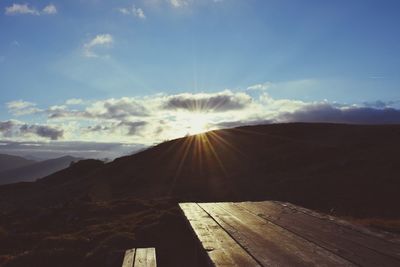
[101, 78]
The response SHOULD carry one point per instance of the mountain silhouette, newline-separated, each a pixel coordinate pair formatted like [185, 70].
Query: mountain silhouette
[8, 162]
[90, 212]
[34, 170]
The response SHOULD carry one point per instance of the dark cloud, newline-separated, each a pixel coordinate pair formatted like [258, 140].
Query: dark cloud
[133, 127]
[123, 108]
[56, 113]
[42, 131]
[14, 128]
[325, 112]
[221, 102]
[98, 128]
[6, 127]
[118, 109]
[380, 104]
[232, 124]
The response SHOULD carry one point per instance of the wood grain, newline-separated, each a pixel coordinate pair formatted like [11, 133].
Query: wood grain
[269, 243]
[145, 257]
[362, 249]
[221, 248]
[272, 233]
[128, 258]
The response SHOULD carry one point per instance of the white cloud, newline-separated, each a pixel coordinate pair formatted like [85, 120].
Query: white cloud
[178, 3]
[23, 9]
[124, 10]
[134, 11]
[49, 9]
[187, 3]
[20, 107]
[101, 40]
[154, 118]
[285, 85]
[74, 101]
[260, 86]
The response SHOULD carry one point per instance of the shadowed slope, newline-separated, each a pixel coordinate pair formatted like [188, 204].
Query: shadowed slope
[336, 168]
[343, 168]
[89, 213]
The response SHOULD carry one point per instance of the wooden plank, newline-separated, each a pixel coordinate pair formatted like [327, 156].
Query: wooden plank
[352, 245]
[270, 244]
[382, 236]
[145, 257]
[128, 258]
[221, 248]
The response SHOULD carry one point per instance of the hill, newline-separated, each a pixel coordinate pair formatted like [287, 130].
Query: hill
[8, 162]
[344, 169]
[35, 170]
[91, 211]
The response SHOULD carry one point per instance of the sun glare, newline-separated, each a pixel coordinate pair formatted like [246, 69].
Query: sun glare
[197, 124]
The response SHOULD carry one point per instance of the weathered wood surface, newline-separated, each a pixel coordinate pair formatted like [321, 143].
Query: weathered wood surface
[271, 233]
[129, 258]
[219, 245]
[140, 257]
[145, 257]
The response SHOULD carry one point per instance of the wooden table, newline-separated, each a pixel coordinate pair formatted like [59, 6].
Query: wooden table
[272, 233]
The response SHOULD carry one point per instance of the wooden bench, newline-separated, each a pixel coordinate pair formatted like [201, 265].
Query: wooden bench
[140, 257]
[272, 233]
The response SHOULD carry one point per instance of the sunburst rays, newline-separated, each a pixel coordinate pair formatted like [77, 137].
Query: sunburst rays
[202, 154]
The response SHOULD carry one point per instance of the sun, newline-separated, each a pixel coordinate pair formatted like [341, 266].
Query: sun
[197, 124]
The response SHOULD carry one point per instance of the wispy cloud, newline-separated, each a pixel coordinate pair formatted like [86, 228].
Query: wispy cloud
[50, 9]
[15, 43]
[260, 86]
[20, 107]
[187, 3]
[26, 9]
[178, 3]
[74, 101]
[101, 40]
[21, 9]
[133, 10]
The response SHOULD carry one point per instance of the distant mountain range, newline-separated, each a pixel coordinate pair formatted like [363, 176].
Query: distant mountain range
[8, 162]
[15, 169]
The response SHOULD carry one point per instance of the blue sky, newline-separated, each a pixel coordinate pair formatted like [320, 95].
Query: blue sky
[267, 60]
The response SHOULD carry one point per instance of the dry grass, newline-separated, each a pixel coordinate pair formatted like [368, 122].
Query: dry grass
[91, 234]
